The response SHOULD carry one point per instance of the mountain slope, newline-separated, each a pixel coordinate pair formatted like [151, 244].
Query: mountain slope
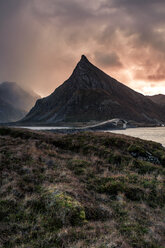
[15, 102]
[9, 113]
[90, 94]
[159, 99]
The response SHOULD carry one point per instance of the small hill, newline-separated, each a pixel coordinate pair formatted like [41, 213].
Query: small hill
[90, 94]
[15, 102]
[80, 190]
[159, 99]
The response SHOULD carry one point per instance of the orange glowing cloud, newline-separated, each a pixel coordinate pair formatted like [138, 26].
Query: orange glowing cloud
[41, 41]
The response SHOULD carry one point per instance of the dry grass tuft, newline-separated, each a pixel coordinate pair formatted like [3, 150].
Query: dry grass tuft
[85, 190]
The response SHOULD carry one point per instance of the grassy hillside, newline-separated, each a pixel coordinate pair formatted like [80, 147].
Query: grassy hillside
[80, 190]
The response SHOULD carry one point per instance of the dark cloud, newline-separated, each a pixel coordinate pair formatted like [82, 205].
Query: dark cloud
[156, 77]
[151, 73]
[40, 41]
[136, 3]
[17, 36]
[108, 59]
[68, 12]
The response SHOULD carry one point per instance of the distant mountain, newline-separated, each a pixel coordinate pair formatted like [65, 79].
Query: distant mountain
[15, 102]
[159, 99]
[90, 94]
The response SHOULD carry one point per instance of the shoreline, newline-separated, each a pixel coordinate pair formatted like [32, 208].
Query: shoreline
[67, 130]
[74, 127]
[155, 134]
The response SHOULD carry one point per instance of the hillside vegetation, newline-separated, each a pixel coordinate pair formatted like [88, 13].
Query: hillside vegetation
[80, 190]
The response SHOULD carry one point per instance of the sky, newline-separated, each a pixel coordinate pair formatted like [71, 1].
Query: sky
[41, 41]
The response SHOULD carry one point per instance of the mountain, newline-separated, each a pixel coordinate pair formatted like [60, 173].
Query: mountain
[9, 113]
[159, 99]
[90, 94]
[15, 102]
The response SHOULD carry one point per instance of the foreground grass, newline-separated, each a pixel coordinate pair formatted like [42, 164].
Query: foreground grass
[80, 190]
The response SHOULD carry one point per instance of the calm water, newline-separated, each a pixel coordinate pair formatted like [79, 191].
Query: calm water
[46, 128]
[155, 134]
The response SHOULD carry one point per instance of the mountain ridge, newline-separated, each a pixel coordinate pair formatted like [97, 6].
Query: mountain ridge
[159, 99]
[90, 94]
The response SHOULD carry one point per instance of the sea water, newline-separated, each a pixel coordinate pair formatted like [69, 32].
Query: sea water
[155, 133]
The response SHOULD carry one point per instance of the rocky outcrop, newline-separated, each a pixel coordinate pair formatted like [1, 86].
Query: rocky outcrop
[90, 94]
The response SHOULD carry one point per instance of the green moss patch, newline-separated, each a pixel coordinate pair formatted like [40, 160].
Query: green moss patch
[64, 208]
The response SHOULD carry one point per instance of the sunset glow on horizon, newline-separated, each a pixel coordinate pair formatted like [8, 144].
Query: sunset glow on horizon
[42, 41]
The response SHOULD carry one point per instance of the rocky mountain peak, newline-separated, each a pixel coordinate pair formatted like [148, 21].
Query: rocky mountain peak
[83, 64]
[84, 58]
[90, 94]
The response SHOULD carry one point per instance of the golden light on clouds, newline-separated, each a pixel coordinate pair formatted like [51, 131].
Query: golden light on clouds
[41, 41]
[149, 90]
